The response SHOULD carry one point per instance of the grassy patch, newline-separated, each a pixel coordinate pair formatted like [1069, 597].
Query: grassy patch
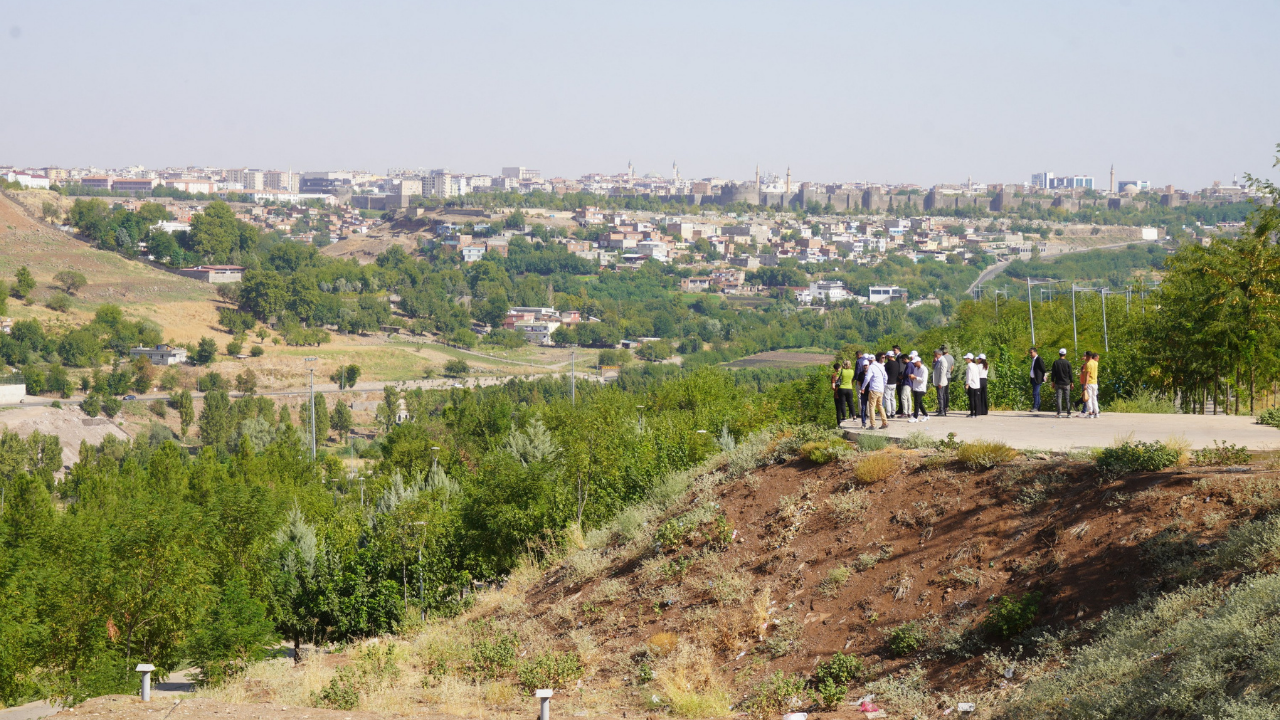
[985, 454]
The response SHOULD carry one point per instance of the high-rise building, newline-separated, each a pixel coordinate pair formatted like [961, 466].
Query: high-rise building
[1042, 180]
[521, 173]
[247, 179]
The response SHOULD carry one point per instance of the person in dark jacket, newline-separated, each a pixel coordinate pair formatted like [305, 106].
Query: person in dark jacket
[1061, 376]
[1037, 379]
[892, 371]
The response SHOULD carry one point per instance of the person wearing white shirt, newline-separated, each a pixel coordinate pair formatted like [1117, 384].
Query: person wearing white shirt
[984, 370]
[873, 384]
[972, 382]
[919, 385]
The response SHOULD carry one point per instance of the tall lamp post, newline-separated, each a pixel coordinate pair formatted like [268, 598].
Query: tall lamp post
[312, 371]
[1075, 337]
[1030, 312]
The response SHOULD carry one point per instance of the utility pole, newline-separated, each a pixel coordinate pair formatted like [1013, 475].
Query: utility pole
[1106, 341]
[1030, 311]
[1075, 336]
[311, 369]
[573, 376]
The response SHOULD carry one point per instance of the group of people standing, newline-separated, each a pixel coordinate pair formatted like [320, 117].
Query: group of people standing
[894, 384]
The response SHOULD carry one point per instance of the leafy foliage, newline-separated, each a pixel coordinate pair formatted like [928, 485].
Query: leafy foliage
[1136, 456]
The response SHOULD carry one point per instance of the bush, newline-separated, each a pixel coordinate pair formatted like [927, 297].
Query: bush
[234, 347]
[831, 679]
[91, 406]
[820, 452]
[984, 454]
[875, 468]
[1131, 456]
[256, 351]
[835, 579]
[550, 669]
[456, 368]
[870, 442]
[1009, 617]
[493, 653]
[849, 506]
[111, 406]
[1219, 455]
[918, 440]
[158, 408]
[1270, 416]
[778, 693]
[1143, 402]
[906, 639]
[504, 338]
[59, 302]
[342, 692]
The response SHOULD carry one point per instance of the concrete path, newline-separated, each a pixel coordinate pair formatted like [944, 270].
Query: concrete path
[175, 684]
[1025, 430]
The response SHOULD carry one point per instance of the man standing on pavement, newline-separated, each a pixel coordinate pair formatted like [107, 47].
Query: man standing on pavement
[941, 381]
[1037, 379]
[919, 386]
[844, 392]
[892, 371]
[873, 385]
[1060, 374]
[905, 382]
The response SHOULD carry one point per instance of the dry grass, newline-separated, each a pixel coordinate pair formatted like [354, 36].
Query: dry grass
[584, 565]
[848, 507]
[985, 454]
[690, 685]
[1180, 445]
[730, 586]
[875, 467]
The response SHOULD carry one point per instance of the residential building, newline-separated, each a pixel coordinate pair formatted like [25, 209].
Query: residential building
[247, 179]
[133, 184]
[694, 284]
[277, 180]
[521, 174]
[100, 182]
[214, 273]
[885, 293]
[749, 262]
[28, 180]
[1042, 180]
[56, 175]
[193, 186]
[826, 291]
[161, 354]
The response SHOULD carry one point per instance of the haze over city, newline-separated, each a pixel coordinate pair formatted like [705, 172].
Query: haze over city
[838, 92]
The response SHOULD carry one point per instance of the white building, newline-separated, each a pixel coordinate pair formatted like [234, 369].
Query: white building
[886, 293]
[28, 180]
[824, 291]
[161, 354]
[520, 174]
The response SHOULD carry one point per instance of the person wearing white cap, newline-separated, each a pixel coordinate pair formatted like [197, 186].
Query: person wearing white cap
[906, 382]
[919, 385]
[984, 371]
[941, 381]
[892, 371]
[1060, 374]
[972, 383]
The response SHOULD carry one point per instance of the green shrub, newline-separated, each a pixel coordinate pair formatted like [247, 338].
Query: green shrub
[818, 451]
[918, 440]
[1219, 455]
[984, 454]
[493, 652]
[779, 692]
[831, 679]
[550, 669]
[342, 692]
[870, 442]
[1144, 402]
[906, 639]
[1270, 416]
[1009, 617]
[256, 351]
[1131, 456]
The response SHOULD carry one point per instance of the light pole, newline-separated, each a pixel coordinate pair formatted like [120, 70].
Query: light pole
[312, 371]
[573, 375]
[1075, 337]
[1030, 312]
[1106, 341]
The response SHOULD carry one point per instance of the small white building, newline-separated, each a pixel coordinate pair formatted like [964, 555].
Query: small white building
[886, 293]
[825, 291]
[161, 354]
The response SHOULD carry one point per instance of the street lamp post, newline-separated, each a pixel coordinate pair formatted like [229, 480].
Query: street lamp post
[312, 371]
[1030, 312]
[1106, 341]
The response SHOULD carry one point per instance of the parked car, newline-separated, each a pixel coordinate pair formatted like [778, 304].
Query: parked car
[130, 397]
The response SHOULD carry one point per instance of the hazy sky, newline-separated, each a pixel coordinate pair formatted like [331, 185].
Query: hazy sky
[1175, 92]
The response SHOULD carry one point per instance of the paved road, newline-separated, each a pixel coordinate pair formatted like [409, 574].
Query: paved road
[996, 269]
[1024, 430]
[177, 683]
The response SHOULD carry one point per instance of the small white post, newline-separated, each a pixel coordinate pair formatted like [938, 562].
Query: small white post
[544, 698]
[146, 669]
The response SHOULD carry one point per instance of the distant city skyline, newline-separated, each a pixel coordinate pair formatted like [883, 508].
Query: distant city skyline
[837, 92]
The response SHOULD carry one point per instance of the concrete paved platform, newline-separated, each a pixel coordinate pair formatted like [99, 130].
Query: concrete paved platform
[1023, 430]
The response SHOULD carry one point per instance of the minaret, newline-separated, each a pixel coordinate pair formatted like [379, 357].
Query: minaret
[1113, 178]
[788, 182]
[757, 176]
[631, 171]
[675, 172]
[969, 184]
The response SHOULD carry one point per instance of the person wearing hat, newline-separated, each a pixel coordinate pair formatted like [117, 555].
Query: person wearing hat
[941, 381]
[873, 386]
[905, 382]
[985, 370]
[1037, 379]
[1060, 375]
[919, 386]
[892, 371]
[972, 383]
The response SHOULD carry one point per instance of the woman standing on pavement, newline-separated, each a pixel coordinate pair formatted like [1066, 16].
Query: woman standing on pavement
[983, 371]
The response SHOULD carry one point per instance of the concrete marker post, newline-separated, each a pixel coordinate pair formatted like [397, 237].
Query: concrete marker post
[544, 701]
[146, 669]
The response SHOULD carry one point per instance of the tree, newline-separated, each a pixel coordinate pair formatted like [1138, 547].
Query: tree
[463, 337]
[345, 376]
[456, 367]
[247, 381]
[256, 351]
[111, 406]
[389, 408]
[91, 406]
[206, 350]
[59, 302]
[262, 293]
[181, 402]
[655, 351]
[262, 333]
[24, 283]
[70, 280]
[215, 419]
[235, 632]
[352, 375]
[322, 418]
[234, 347]
[214, 233]
[342, 420]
